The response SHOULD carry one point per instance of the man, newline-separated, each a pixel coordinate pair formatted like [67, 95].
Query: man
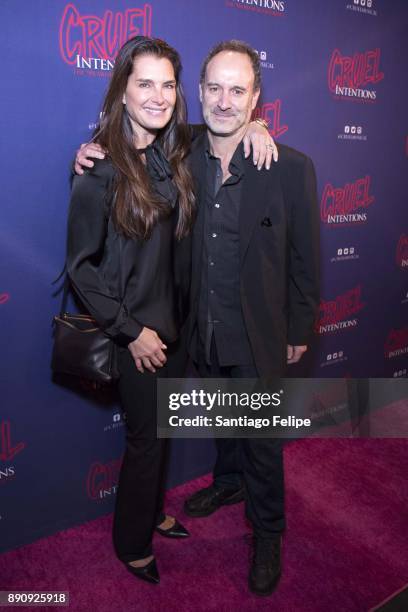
[254, 287]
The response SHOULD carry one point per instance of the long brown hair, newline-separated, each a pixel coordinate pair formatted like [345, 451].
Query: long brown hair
[137, 208]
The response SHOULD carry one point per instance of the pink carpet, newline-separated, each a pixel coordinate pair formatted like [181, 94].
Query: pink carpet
[345, 549]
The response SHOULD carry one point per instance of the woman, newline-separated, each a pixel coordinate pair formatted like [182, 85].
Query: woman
[123, 264]
[128, 260]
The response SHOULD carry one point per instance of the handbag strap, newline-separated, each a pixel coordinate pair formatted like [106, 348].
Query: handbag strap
[65, 288]
[65, 295]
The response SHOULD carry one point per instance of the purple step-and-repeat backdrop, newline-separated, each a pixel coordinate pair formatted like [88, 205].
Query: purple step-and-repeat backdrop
[334, 86]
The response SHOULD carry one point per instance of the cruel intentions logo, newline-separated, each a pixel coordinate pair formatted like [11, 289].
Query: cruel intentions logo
[8, 451]
[89, 43]
[348, 77]
[402, 252]
[271, 112]
[346, 205]
[396, 343]
[275, 8]
[339, 314]
[103, 478]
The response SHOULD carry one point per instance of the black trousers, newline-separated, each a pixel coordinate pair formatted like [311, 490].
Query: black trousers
[140, 495]
[256, 463]
[358, 395]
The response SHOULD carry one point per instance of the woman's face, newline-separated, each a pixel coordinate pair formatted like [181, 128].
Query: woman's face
[150, 95]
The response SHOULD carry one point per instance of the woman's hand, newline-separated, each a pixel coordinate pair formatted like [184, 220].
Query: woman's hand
[294, 353]
[263, 145]
[88, 149]
[147, 350]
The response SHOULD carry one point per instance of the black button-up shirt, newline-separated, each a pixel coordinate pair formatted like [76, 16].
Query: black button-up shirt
[219, 311]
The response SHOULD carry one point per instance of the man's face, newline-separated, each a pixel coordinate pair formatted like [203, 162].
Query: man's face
[227, 93]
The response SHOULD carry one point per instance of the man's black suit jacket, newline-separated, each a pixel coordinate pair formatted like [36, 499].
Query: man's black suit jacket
[279, 255]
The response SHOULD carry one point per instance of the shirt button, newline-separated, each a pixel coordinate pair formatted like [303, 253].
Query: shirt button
[211, 291]
[214, 235]
[211, 263]
[217, 205]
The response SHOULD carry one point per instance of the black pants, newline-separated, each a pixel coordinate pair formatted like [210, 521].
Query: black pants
[140, 495]
[358, 395]
[255, 462]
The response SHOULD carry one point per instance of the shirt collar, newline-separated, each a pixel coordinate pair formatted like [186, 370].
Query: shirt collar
[236, 165]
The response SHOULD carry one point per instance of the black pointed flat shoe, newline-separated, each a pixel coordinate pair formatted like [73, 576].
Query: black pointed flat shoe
[177, 531]
[149, 572]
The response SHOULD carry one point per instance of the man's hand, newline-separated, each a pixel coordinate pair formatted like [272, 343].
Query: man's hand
[147, 350]
[263, 145]
[88, 149]
[295, 353]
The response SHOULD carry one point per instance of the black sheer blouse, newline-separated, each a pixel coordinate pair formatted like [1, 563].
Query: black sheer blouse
[127, 284]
